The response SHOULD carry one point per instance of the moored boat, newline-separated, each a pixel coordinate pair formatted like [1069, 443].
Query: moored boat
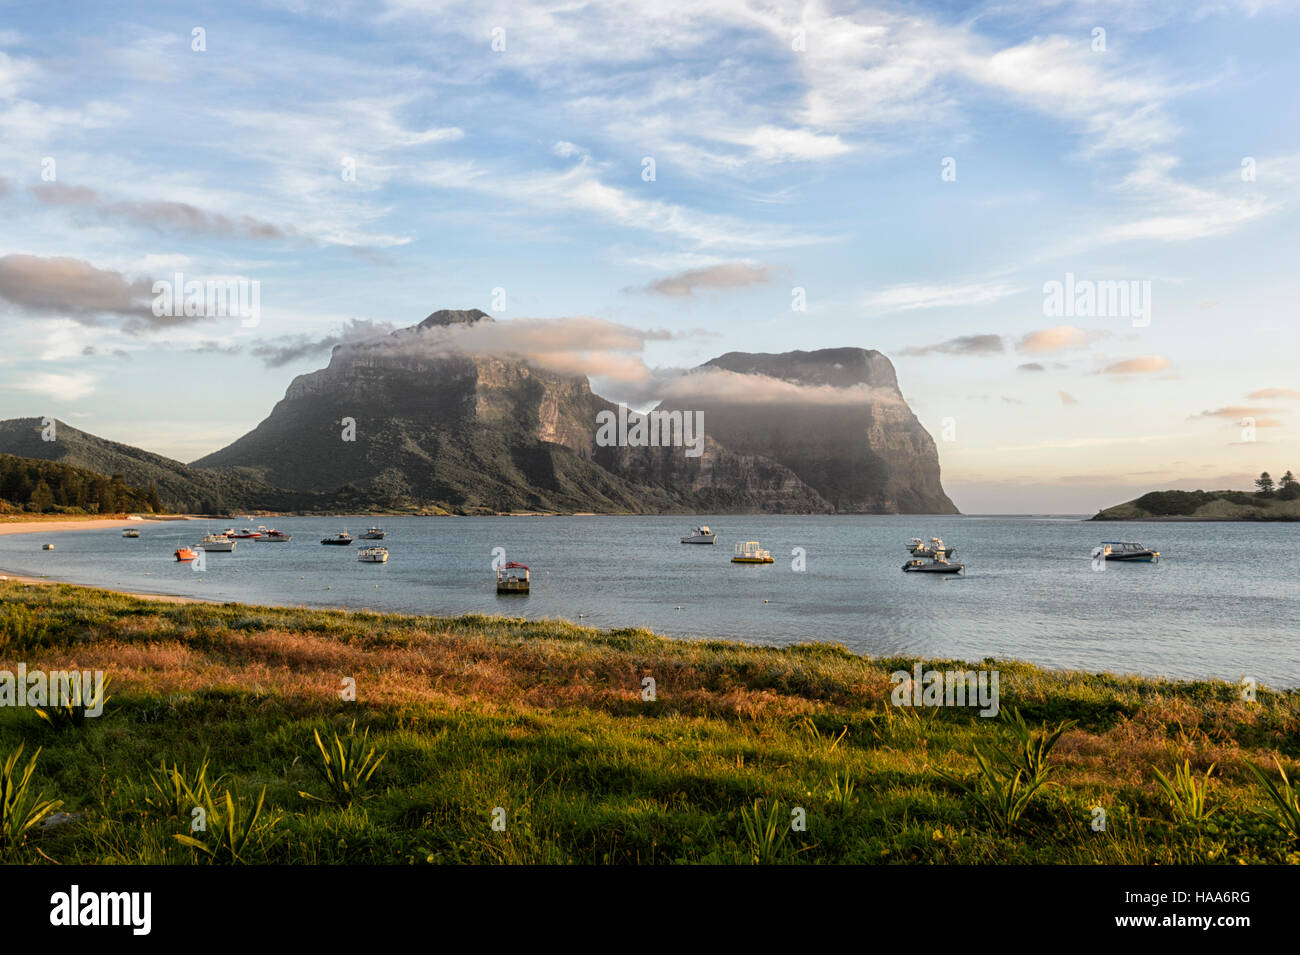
[701, 535]
[186, 553]
[935, 565]
[373, 534]
[1129, 550]
[131, 532]
[513, 578]
[750, 552]
[934, 548]
[341, 539]
[273, 536]
[217, 544]
[373, 555]
[244, 533]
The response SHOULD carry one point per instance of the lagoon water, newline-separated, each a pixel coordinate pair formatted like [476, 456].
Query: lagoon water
[1223, 601]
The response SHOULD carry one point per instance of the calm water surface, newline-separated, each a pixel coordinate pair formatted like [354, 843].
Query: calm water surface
[1223, 602]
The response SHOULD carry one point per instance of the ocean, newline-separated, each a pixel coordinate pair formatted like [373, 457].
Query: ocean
[1220, 603]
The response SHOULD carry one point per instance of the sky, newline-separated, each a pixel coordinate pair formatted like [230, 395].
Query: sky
[655, 184]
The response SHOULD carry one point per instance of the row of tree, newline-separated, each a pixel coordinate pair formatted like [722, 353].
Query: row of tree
[46, 486]
[1287, 487]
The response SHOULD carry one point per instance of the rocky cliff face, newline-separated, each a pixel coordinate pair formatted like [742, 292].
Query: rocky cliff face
[834, 417]
[469, 431]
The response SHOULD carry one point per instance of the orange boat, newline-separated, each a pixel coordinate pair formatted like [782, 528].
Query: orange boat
[186, 553]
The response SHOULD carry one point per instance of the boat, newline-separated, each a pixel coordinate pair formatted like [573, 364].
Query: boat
[701, 535]
[373, 534]
[217, 544]
[342, 539]
[919, 548]
[186, 553]
[513, 578]
[935, 565]
[130, 532]
[274, 537]
[1129, 550]
[47, 547]
[244, 533]
[373, 555]
[749, 552]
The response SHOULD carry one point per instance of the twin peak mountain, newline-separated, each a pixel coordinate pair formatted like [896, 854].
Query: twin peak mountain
[450, 414]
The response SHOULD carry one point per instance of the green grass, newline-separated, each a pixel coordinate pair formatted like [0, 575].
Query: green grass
[231, 709]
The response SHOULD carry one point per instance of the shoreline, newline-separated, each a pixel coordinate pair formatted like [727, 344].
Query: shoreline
[10, 577]
[78, 524]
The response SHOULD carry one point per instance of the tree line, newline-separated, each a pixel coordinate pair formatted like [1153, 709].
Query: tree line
[45, 487]
[1287, 488]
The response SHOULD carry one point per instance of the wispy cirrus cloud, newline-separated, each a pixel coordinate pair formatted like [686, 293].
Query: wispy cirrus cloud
[962, 345]
[712, 278]
[902, 298]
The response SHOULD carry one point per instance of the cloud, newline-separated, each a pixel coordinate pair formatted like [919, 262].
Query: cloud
[1146, 365]
[279, 352]
[729, 275]
[68, 386]
[1264, 394]
[902, 298]
[1048, 341]
[72, 288]
[5, 187]
[176, 216]
[1237, 413]
[962, 345]
[1040, 366]
[720, 384]
[1067, 398]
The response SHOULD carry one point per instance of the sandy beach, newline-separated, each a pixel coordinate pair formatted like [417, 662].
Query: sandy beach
[40, 527]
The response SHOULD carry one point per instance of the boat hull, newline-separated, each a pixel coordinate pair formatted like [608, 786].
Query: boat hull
[935, 569]
[753, 560]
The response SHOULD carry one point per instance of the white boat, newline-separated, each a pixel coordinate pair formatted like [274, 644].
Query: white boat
[513, 578]
[1129, 550]
[701, 535]
[935, 548]
[750, 552]
[273, 536]
[217, 544]
[373, 555]
[130, 532]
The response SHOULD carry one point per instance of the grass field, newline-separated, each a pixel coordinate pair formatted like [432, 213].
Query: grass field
[542, 727]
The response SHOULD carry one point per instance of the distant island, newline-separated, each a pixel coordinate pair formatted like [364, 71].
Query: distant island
[1269, 502]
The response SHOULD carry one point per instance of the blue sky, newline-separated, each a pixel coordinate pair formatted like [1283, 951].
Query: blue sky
[794, 146]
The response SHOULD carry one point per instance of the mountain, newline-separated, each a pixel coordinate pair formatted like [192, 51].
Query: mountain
[476, 432]
[835, 417]
[181, 488]
[444, 416]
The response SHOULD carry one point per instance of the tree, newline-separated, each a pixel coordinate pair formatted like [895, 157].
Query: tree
[1287, 479]
[43, 497]
[1264, 485]
[155, 504]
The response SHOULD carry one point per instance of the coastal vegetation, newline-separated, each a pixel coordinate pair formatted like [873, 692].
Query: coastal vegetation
[312, 736]
[1270, 501]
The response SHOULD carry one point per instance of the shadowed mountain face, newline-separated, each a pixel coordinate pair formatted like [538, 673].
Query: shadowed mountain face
[834, 417]
[410, 420]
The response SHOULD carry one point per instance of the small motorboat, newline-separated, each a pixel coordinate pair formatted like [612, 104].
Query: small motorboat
[47, 547]
[935, 565]
[186, 553]
[1129, 550]
[217, 544]
[131, 532]
[373, 555]
[373, 534]
[919, 548]
[749, 552]
[244, 533]
[341, 539]
[701, 535]
[513, 578]
[274, 537]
